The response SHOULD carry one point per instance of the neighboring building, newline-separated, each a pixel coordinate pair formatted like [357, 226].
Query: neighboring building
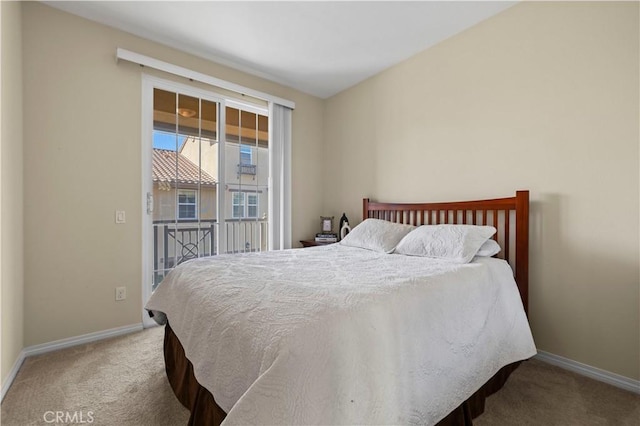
[247, 174]
[186, 181]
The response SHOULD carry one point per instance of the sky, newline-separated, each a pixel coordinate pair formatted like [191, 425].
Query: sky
[163, 140]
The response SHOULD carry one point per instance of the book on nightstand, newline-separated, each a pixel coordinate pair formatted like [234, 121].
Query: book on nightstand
[326, 238]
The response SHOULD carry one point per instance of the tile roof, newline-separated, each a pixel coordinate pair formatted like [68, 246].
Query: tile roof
[164, 169]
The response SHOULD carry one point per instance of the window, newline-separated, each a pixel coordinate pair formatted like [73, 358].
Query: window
[252, 205]
[214, 134]
[238, 205]
[244, 205]
[187, 206]
[245, 155]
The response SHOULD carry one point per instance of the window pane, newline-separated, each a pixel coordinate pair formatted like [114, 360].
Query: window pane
[233, 124]
[209, 122]
[263, 131]
[249, 123]
[245, 154]
[252, 207]
[186, 204]
[187, 211]
[237, 211]
[188, 114]
[167, 141]
[187, 197]
[164, 110]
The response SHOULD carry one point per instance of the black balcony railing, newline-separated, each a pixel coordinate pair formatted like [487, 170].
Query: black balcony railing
[247, 169]
[176, 242]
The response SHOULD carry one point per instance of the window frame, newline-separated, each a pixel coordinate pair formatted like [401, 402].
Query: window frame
[241, 204]
[277, 235]
[244, 204]
[248, 204]
[194, 204]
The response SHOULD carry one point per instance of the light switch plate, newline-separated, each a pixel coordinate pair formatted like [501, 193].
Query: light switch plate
[120, 217]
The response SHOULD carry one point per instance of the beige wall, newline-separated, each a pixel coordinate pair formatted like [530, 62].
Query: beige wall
[203, 153]
[11, 230]
[543, 97]
[83, 161]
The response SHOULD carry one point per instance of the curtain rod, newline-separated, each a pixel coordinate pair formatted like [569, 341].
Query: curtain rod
[136, 58]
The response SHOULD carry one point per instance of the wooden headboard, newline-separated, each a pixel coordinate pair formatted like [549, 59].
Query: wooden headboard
[510, 216]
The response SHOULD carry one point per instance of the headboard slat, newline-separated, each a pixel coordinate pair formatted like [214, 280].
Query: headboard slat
[495, 222]
[507, 213]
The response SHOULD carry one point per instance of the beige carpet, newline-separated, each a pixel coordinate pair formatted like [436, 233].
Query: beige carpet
[541, 394]
[121, 381]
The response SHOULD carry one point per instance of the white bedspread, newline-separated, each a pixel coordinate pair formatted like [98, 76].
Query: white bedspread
[342, 335]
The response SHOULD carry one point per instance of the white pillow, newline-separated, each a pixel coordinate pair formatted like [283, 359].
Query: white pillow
[489, 248]
[457, 243]
[377, 235]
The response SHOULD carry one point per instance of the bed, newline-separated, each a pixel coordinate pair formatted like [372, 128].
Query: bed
[342, 334]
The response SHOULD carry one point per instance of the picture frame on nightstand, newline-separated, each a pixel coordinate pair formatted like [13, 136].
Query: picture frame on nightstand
[326, 223]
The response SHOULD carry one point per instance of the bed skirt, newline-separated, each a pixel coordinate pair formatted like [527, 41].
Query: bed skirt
[205, 411]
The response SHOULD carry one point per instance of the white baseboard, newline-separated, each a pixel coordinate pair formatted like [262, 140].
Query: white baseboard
[12, 374]
[62, 344]
[78, 340]
[613, 379]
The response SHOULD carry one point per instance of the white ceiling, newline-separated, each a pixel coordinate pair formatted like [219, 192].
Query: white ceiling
[320, 48]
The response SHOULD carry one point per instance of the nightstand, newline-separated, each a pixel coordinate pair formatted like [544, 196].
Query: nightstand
[312, 243]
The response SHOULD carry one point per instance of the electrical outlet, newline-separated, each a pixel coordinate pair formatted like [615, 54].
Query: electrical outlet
[121, 293]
